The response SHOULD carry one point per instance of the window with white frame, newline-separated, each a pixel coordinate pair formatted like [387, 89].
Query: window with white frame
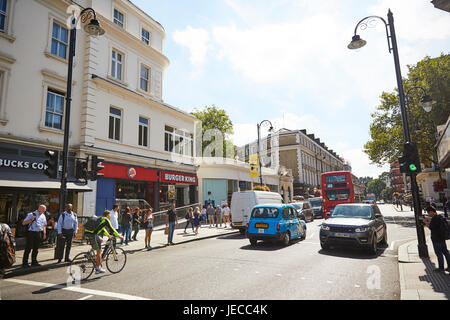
[143, 132]
[3, 14]
[145, 36]
[116, 65]
[54, 110]
[144, 78]
[115, 118]
[60, 40]
[118, 18]
[178, 141]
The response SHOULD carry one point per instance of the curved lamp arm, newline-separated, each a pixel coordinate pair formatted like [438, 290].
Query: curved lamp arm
[368, 22]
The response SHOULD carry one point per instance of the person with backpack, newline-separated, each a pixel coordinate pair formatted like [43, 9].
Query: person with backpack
[67, 229]
[7, 248]
[94, 229]
[36, 224]
[439, 233]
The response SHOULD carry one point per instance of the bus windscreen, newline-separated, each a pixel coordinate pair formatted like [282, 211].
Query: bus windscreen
[337, 178]
[337, 194]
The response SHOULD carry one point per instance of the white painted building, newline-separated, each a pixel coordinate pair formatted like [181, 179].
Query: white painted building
[117, 113]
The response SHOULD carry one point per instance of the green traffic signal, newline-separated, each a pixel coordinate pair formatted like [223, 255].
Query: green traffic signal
[412, 167]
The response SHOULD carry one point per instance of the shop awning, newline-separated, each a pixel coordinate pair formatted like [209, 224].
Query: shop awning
[54, 185]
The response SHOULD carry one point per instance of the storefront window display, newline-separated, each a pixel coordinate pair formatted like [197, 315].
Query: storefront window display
[142, 191]
[15, 205]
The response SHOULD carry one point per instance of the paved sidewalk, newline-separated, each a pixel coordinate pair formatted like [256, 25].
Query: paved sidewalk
[158, 241]
[418, 281]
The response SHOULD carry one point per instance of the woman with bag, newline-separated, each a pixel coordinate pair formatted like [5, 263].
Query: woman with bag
[148, 222]
[189, 219]
[136, 222]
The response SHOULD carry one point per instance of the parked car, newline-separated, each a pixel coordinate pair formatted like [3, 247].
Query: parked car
[356, 225]
[317, 204]
[275, 222]
[305, 210]
[242, 203]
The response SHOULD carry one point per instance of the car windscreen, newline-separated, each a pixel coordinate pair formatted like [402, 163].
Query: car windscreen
[265, 213]
[341, 211]
[297, 206]
[337, 194]
[316, 203]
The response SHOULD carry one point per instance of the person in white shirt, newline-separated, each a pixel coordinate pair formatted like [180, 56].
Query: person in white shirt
[226, 214]
[115, 217]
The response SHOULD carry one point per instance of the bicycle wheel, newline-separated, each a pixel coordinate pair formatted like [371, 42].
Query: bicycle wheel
[81, 266]
[116, 260]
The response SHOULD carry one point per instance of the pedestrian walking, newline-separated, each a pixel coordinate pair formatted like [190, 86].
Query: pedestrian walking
[67, 229]
[210, 211]
[148, 225]
[219, 217]
[189, 219]
[136, 223]
[171, 223]
[7, 248]
[226, 214]
[197, 215]
[204, 215]
[127, 219]
[436, 225]
[115, 217]
[36, 225]
[52, 231]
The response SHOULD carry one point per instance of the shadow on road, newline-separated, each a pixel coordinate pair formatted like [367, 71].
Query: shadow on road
[352, 253]
[269, 245]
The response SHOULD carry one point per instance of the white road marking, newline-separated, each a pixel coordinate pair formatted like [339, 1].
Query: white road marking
[77, 289]
[87, 297]
[311, 236]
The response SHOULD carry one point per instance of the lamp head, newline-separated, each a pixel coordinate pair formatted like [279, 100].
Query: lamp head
[93, 28]
[357, 42]
[427, 103]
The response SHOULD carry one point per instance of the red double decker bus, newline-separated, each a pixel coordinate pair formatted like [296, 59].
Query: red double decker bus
[340, 187]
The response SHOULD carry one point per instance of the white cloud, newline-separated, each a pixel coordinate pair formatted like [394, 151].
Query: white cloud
[360, 163]
[196, 40]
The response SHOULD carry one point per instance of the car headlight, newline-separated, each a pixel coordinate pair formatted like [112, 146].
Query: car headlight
[361, 229]
[325, 227]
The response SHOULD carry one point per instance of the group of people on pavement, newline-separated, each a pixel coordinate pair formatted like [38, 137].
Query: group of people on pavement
[217, 215]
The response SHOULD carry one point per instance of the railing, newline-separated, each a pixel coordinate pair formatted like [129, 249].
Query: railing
[159, 218]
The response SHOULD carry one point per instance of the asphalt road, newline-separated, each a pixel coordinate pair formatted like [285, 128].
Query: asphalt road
[227, 267]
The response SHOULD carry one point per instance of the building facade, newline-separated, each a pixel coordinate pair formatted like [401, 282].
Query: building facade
[117, 113]
[302, 153]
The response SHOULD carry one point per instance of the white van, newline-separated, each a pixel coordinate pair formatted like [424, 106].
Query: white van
[242, 203]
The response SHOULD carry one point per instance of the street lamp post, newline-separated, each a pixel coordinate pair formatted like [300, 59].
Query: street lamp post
[92, 28]
[258, 126]
[357, 43]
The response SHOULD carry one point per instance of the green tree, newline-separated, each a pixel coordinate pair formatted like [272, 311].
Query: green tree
[386, 130]
[386, 194]
[375, 186]
[214, 118]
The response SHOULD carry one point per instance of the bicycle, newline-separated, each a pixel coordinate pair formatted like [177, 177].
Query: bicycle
[84, 263]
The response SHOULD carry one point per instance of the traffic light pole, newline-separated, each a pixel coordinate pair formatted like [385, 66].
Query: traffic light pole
[422, 246]
[65, 153]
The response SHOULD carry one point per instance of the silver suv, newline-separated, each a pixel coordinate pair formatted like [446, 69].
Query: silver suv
[357, 225]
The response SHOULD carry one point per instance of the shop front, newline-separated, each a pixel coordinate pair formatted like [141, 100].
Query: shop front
[145, 187]
[24, 186]
[178, 187]
[125, 185]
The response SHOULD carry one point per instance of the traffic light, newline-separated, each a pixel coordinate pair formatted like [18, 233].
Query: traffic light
[81, 169]
[96, 166]
[410, 162]
[51, 164]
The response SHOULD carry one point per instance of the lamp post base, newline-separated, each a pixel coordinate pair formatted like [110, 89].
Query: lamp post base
[423, 251]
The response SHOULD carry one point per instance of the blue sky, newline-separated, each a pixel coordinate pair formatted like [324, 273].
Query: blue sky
[287, 61]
